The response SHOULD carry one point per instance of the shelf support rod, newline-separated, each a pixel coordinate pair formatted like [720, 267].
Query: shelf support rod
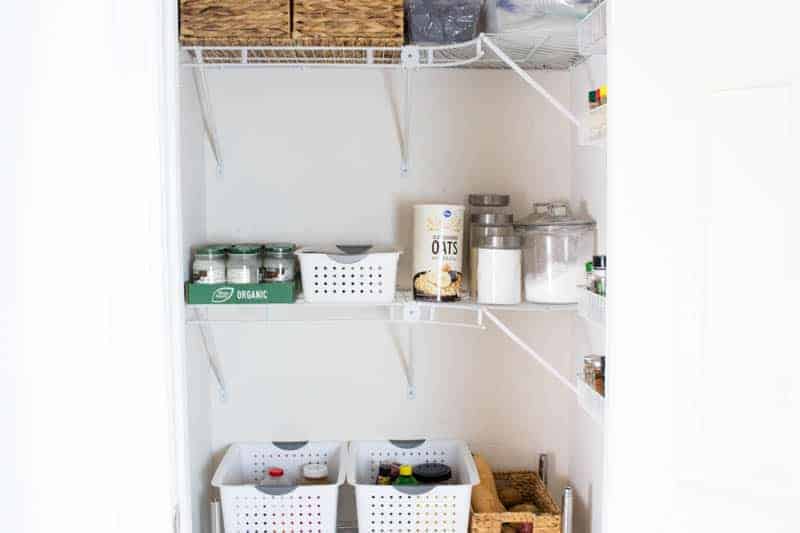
[529, 80]
[405, 144]
[538, 358]
[406, 361]
[203, 96]
[211, 353]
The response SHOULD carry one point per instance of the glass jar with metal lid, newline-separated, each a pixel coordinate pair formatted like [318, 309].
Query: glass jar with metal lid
[488, 203]
[279, 262]
[209, 264]
[244, 261]
[500, 270]
[555, 248]
[482, 225]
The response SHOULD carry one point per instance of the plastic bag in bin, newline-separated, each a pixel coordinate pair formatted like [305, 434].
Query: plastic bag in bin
[443, 21]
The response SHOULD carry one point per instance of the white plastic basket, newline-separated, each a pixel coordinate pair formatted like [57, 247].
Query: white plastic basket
[329, 277]
[249, 508]
[423, 508]
[592, 306]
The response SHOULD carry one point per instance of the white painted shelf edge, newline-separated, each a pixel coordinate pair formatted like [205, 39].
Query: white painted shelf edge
[591, 401]
[592, 307]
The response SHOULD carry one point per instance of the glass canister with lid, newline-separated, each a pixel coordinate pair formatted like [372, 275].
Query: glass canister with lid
[209, 264]
[279, 262]
[481, 226]
[555, 248]
[244, 262]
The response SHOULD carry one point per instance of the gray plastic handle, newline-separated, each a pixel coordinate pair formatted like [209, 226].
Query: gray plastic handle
[414, 490]
[408, 444]
[276, 490]
[346, 259]
[290, 445]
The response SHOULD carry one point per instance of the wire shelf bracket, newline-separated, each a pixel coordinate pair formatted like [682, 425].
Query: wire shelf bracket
[536, 357]
[201, 320]
[528, 79]
[209, 125]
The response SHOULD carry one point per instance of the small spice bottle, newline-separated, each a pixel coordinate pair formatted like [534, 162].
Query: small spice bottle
[314, 474]
[599, 277]
[384, 474]
[209, 264]
[279, 262]
[600, 375]
[243, 263]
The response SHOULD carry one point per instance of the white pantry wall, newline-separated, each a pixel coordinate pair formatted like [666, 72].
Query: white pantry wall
[589, 178]
[313, 157]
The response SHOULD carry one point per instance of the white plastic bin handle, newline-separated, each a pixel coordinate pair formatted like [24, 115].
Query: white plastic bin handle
[407, 444]
[290, 445]
[274, 490]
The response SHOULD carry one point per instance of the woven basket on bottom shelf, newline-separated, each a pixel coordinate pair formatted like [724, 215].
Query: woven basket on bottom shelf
[372, 22]
[235, 22]
[547, 520]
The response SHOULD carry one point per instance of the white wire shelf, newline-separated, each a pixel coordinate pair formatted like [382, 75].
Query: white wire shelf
[534, 49]
[404, 309]
[592, 32]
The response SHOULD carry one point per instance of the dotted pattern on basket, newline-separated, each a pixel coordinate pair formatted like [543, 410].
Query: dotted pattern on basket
[398, 513]
[278, 514]
[348, 279]
[260, 461]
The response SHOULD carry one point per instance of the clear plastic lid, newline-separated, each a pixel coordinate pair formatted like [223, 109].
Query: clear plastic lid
[556, 214]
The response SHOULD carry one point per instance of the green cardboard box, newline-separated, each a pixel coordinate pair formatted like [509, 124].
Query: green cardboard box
[281, 292]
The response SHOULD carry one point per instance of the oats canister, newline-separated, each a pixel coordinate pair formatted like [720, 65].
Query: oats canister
[438, 252]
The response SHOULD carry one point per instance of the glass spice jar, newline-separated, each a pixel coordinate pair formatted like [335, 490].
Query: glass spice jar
[208, 266]
[279, 262]
[243, 263]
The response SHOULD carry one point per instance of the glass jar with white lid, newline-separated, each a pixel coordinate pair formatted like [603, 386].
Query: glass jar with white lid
[244, 262]
[279, 262]
[208, 266]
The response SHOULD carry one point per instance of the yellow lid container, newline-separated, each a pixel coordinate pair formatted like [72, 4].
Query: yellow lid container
[405, 470]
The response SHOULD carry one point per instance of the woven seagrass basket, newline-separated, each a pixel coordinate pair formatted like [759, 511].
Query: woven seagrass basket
[355, 22]
[547, 520]
[235, 22]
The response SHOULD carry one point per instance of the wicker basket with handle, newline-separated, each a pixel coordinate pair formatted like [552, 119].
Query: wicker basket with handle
[547, 520]
[235, 22]
[371, 22]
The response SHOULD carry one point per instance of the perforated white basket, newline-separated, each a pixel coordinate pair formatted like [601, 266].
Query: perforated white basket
[368, 277]
[407, 509]
[250, 508]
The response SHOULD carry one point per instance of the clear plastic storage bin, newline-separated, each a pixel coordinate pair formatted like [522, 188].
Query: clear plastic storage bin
[405, 509]
[250, 506]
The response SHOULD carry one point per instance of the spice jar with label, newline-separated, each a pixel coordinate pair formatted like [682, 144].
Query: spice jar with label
[209, 264]
[243, 263]
[279, 262]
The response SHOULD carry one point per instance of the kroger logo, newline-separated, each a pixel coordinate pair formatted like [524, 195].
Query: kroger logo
[447, 213]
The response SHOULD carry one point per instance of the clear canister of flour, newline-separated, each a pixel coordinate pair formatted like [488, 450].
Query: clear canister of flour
[438, 252]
